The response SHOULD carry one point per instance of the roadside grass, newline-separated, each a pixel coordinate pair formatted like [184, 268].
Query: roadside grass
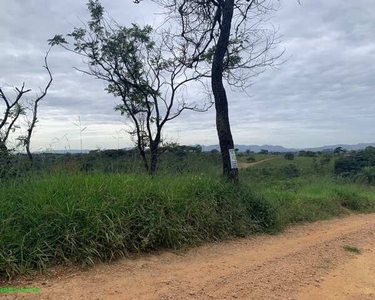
[74, 216]
[352, 249]
[84, 218]
[294, 192]
[313, 199]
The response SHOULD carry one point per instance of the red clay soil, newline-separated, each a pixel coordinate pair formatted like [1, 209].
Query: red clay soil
[306, 262]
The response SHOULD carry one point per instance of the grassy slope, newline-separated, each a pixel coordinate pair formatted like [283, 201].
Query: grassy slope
[88, 217]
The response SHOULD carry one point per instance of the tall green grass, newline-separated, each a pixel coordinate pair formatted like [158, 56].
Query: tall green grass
[88, 216]
[310, 199]
[84, 218]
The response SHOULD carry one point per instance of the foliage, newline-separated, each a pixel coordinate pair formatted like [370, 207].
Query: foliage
[325, 159]
[289, 156]
[307, 153]
[339, 151]
[346, 166]
[291, 171]
[352, 164]
[138, 69]
[251, 159]
[13, 109]
[352, 249]
[4, 162]
[366, 175]
[321, 164]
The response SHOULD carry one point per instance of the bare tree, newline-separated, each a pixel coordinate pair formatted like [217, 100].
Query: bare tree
[140, 71]
[13, 110]
[34, 110]
[233, 39]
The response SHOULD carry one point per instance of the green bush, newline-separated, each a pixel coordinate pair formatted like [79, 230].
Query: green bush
[346, 166]
[355, 162]
[289, 156]
[366, 175]
[251, 159]
[307, 153]
[291, 171]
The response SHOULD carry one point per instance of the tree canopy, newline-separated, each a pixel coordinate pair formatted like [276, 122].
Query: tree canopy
[137, 68]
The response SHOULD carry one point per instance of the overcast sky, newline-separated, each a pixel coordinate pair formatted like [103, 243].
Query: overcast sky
[323, 95]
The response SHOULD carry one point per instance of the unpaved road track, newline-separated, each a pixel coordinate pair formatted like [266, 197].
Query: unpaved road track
[306, 262]
[245, 165]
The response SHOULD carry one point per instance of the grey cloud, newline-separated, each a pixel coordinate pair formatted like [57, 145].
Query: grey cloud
[322, 95]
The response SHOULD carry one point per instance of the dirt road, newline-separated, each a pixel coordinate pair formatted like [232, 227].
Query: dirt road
[245, 165]
[306, 262]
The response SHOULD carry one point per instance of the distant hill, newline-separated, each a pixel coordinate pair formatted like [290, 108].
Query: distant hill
[271, 148]
[243, 148]
[345, 146]
[71, 151]
[255, 148]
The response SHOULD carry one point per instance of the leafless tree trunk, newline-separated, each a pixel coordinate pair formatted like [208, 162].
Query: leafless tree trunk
[34, 119]
[13, 110]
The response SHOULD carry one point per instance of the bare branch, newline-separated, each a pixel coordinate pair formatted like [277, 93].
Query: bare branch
[27, 140]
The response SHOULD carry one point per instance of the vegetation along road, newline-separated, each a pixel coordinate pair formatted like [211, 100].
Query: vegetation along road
[332, 259]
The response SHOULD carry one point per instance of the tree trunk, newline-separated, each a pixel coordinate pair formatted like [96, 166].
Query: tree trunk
[2, 145]
[28, 145]
[144, 158]
[29, 152]
[154, 157]
[4, 160]
[3, 149]
[221, 101]
[142, 151]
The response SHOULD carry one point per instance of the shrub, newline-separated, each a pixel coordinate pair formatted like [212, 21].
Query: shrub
[366, 175]
[290, 171]
[251, 159]
[307, 153]
[355, 162]
[346, 166]
[325, 159]
[289, 156]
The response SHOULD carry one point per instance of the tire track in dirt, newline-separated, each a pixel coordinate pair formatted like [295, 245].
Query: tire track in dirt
[305, 262]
